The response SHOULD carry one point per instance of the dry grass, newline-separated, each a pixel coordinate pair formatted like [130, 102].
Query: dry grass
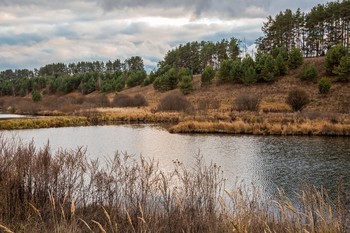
[65, 192]
[268, 125]
[43, 122]
[275, 107]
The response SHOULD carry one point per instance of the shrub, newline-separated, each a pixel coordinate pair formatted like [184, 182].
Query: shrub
[269, 70]
[122, 100]
[207, 75]
[167, 81]
[236, 72]
[224, 71]
[324, 85]
[135, 78]
[36, 96]
[174, 102]
[186, 86]
[247, 102]
[281, 65]
[308, 72]
[295, 58]
[297, 99]
[100, 100]
[343, 69]
[333, 58]
[248, 70]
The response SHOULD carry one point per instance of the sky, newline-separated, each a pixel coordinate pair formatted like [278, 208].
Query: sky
[34, 33]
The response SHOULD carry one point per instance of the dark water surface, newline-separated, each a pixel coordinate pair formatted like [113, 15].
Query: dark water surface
[266, 161]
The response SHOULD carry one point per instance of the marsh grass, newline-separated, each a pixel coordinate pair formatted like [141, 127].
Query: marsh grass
[42, 191]
[44, 122]
[308, 123]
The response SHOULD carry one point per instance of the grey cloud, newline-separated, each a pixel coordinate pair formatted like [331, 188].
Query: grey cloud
[21, 39]
[38, 32]
[212, 8]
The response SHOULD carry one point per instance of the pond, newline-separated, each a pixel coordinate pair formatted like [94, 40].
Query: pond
[266, 161]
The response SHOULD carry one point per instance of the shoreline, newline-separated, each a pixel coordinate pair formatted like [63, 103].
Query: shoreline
[234, 123]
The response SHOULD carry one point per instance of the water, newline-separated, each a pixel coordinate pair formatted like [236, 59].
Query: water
[266, 161]
[11, 116]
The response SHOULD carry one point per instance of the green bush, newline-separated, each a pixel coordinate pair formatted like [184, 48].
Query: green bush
[308, 72]
[343, 69]
[248, 69]
[281, 65]
[269, 70]
[247, 102]
[167, 81]
[236, 72]
[334, 55]
[207, 75]
[135, 78]
[186, 86]
[295, 58]
[36, 96]
[297, 99]
[324, 85]
[224, 71]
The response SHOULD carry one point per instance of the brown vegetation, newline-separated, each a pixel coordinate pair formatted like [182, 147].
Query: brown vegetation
[65, 192]
[212, 104]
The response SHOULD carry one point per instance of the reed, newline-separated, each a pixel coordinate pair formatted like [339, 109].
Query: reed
[42, 191]
[43, 122]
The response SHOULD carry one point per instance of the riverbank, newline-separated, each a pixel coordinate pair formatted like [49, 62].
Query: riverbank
[213, 122]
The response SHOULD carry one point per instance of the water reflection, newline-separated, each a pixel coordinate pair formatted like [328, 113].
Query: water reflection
[267, 162]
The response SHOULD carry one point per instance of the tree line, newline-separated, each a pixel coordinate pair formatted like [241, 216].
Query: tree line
[83, 76]
[314, 32]
[288, 38]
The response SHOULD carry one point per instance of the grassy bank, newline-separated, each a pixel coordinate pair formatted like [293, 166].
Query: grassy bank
[66, 192]
[43, 122]
[308, 127]
[210, 122]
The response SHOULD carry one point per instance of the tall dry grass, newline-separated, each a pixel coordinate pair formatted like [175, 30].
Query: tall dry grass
[42, 191]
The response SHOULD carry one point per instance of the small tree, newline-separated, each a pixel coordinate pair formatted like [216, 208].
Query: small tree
[135, 78]
[248, 70]
[36, 96]
[343, 69]
[324, 85]
[295, 58]
[297, 99]
[334, 55]
[269, 70]
[207, 75]
[281, 65]
[186, 86]
[224, 71]
[236, 72]
[308, 72]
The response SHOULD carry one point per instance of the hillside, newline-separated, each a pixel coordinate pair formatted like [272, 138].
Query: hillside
[273, 95]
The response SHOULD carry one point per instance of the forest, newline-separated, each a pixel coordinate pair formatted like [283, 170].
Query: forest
[287, 39]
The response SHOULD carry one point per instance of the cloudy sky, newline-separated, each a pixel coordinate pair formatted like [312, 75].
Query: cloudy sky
[38, 32]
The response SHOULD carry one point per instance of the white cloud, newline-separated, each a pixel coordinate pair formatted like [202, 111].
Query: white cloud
[38, 32]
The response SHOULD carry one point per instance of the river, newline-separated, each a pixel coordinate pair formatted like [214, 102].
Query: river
[266, 161]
